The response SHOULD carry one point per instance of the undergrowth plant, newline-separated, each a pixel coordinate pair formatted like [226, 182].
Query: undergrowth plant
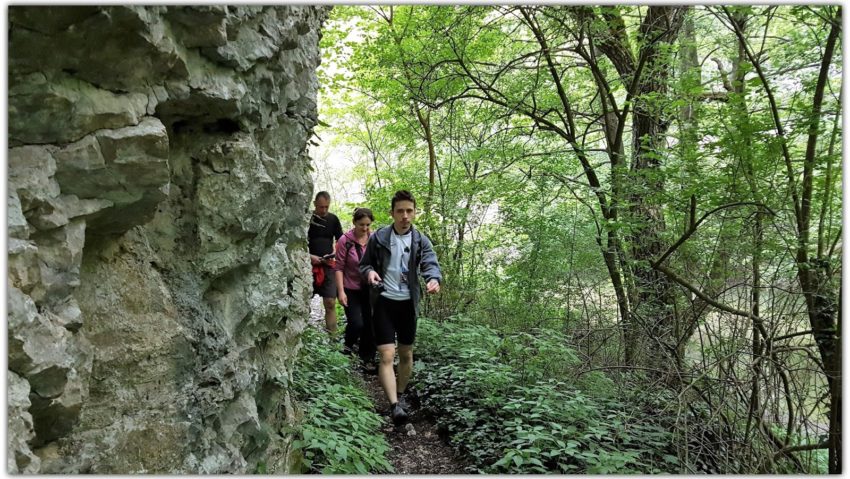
[340, 432]
[508, 404]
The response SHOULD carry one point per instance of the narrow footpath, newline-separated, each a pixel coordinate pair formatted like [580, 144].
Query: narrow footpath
[416, 447]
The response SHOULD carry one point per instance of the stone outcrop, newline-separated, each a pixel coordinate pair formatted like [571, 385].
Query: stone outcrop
[158, 195]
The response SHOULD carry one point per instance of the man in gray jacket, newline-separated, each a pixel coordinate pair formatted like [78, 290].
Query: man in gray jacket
[394, 256]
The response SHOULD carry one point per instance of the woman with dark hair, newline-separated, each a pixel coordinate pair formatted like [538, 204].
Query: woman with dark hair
[352, 291]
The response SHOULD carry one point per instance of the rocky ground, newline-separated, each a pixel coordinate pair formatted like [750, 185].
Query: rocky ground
[417, 447]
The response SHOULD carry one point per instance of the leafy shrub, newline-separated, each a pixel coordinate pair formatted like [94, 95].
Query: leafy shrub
[340, 432]
[502, 403]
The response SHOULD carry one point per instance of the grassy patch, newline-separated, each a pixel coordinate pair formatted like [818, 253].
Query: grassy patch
[508, 404]
[340, 433]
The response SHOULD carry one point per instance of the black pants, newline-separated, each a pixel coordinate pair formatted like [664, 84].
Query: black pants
[358, 315]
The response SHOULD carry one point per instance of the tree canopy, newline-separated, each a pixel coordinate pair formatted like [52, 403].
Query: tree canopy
[659, 187]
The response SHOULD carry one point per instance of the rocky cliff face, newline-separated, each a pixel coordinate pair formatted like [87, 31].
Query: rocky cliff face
[158, 194]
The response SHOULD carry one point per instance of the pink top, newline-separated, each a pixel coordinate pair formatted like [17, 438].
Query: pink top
[348, 261]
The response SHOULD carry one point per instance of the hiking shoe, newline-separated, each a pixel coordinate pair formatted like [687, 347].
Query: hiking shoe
[409, 400]
[369, 369]
[404, 401]
[398, 414]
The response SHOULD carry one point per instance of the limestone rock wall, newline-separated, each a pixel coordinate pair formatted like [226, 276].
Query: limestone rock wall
[158, 194]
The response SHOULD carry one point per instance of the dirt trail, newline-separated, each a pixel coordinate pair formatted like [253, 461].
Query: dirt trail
[416, 447]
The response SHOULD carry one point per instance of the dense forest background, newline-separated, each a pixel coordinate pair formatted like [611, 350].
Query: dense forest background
[638, 214]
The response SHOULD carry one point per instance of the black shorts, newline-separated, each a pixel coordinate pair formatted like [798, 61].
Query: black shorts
[328, 288]
[394, 318]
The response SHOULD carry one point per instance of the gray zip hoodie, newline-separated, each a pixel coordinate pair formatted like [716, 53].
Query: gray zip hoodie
[422, 259]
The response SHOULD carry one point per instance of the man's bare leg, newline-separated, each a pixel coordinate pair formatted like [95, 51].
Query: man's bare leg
[405, 366]
[330, 314]
[386, 375]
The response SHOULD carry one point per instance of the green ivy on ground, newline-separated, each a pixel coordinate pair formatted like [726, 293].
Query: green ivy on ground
[340, 432]
[507, 403]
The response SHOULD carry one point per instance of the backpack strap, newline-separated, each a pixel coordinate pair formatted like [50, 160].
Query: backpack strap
[357, 247]
[349, 242]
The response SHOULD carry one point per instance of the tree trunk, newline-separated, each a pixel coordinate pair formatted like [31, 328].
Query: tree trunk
[649, 325]
[425, 121]
[813, 275]
[649, 125]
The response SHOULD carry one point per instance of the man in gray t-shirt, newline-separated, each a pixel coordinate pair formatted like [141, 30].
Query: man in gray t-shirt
[394, 257]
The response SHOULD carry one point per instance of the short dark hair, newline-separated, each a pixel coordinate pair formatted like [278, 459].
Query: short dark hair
[402, 195]
[360, 213]
[322, 194]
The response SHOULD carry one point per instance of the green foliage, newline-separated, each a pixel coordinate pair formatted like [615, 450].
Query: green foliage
[521, 232]
[511, 413]
[340, 432]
